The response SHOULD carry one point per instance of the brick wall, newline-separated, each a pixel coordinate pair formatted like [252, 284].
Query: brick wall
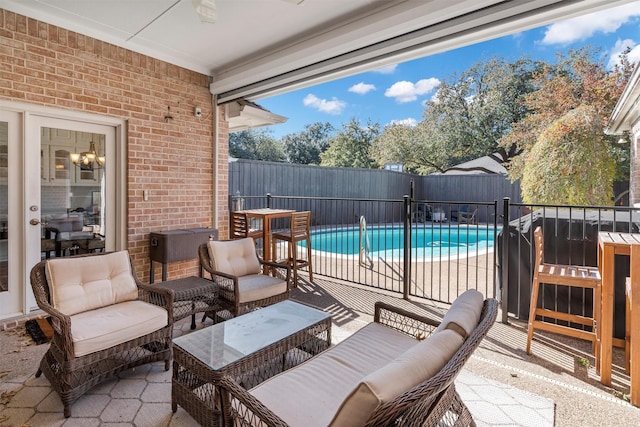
[47, 65]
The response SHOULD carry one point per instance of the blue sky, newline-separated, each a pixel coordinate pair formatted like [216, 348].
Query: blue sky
[397, 93]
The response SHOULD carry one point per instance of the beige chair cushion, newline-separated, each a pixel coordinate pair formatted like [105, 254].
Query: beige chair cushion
[87, 283]
[106, 327]
[311, 393]
[464, 312]
[235, 257]
[409, 369]
[255, 287]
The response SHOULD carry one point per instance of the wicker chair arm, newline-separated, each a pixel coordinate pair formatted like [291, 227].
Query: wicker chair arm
[416, 406]
[161, 297]
[227, 285]
[404, 321]
[277, 269]
[227, 276]
[60, 322]
[251, 410]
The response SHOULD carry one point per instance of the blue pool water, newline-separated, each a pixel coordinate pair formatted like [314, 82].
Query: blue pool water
[388, 242]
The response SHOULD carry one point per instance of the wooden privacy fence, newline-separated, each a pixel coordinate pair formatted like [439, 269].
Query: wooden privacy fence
[257, 178]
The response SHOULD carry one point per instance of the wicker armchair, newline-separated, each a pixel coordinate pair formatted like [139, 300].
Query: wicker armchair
[434, 402]
[112, 335]
[245, 281]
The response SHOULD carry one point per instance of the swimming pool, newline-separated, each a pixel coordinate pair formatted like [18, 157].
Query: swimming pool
[388, 242]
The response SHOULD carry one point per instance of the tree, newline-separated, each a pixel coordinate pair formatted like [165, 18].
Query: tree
[570, 163]
[419, 148]
[255, 144]
[464, 120]
[352, 146]
[577, 80]
[305, 147]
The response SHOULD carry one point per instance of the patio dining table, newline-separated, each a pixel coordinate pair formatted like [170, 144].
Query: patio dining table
[267, 214]
[609, 245]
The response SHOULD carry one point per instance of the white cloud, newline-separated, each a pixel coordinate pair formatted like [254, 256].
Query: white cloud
[334, 106]
[389, 69]
[583, 27]
[404, 91]
[411, 122]
[634, 55]
[619, 47]
[362, 88]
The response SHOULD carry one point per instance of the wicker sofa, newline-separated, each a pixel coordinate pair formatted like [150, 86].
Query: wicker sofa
[104, 321]
[398, 370]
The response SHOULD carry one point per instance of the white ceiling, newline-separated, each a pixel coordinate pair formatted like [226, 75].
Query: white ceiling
[258, 48]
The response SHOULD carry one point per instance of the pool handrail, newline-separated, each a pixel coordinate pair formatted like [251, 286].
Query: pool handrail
[364, 250]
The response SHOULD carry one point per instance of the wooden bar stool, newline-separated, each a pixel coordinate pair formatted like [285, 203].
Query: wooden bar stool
[632, 348]
[565, 275]
[239, 227]
[300, 230]
[627, 325]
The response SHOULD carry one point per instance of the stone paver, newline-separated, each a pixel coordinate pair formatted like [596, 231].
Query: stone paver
[506, 406]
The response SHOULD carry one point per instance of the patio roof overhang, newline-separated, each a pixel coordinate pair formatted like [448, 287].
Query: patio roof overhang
[626, 113]
[243, 114]
[366, 47]
[275, 46]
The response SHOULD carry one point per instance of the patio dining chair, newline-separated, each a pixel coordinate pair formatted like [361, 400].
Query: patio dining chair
[572, 276]
[300, 230]
[466, 215]
[422, 213]
[240, 227]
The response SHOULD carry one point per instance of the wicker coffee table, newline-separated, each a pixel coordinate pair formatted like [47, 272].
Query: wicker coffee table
[249, 348]
[191, 295]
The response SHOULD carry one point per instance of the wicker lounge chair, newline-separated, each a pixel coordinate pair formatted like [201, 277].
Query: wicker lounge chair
[118, 322]
[351, 384]
[244, 280]
[466, 215]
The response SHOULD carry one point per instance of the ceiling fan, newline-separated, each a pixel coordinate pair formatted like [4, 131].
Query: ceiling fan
[206, 9]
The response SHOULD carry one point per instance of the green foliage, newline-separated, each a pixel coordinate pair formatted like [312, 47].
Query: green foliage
[352, 146]
[255, 144]
[305, 147]
[579, 79]
[570, 163]
[465, 120]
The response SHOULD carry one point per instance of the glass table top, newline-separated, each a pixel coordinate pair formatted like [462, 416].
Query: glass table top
[223, 343]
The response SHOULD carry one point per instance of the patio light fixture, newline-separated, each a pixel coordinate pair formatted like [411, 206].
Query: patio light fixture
[88, 160]
[206, 10]
[624, 138]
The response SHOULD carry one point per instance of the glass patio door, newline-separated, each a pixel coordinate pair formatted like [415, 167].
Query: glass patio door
[57, 197]
[67, 197]
[11, 288]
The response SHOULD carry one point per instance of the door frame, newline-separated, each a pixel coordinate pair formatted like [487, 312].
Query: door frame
[32, 116]
[12, 300]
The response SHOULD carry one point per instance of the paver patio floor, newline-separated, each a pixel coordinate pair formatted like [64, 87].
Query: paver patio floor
[501, 384]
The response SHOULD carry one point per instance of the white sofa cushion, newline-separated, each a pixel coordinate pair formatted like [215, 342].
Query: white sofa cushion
[464, 312]
[87, 283]
[311, 393]
[234, 257]
[106, 327]
[409, 369]
[259, 286]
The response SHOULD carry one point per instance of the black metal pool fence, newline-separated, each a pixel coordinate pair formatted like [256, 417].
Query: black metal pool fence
[469, 249]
